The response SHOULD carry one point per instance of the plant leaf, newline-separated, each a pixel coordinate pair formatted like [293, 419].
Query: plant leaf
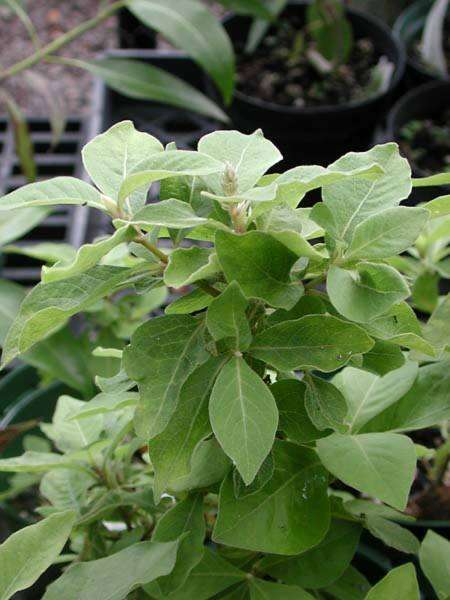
[14, 224]
[60, 190]
[268, 590]
[434, 559]
[379, 464]
[325, 404]
[319, 342]
[244, 416]
[393, 534]
[260, 265]
[323, 564]
[400, 582]
[289, 515]
[172, 450]
[167, 213]
[141, 81]
[162, 354]
[114, 577]
[226, 318]
[188, 265]
[38, 462]
[191, 27]
[29, 552]
[432, 46]
[387, 233]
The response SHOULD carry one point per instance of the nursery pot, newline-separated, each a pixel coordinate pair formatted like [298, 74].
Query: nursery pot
[409, 27]
[424, 102]
[319, 135]
[132, 33]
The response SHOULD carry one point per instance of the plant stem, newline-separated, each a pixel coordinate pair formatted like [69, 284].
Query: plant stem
[206, 287]
[62, 41]
[141, 239]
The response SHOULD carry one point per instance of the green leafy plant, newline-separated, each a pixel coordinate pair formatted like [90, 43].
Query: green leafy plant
[207, 465]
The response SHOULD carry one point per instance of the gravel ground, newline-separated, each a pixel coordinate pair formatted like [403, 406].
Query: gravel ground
[69, 86]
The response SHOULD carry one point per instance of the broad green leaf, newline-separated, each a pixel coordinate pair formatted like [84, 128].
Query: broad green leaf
[353, 201]
[351, 586]
[400, 326]
[437, 329]
[29, 552]
[434, 559]
[164, 165]
[398, 583]
[48, 306]
[66, 489]
[59, 190]
[185, 521]
[104, 403]
[14, 224]
[209, 465]
[69, 435]
[48, 252]
[11, 295]
[295, 183]
[368, 508]
[171, 451]
[325, 404]
[431, 180]
[141, 81]
[244, 416]
[264, 474]
[268, 590]
[367, 291]
[38, 462]
[190, 303]
[167, 213]
[161, 355]
[87, 256]
[191, 27]
[367, 394]
[258, 199]
[387, 233]
[393, 534]
[307, 305]
[439, 207]
[379, 464]
[250, 156]
[211, 576]
[323, 564]
[261, 266]
[322, 342]
[289, 515]
[425, 405]
[114, 577]
[383, 358]
[112, 155]
[226, 318]
[188, 265]
[294, 420]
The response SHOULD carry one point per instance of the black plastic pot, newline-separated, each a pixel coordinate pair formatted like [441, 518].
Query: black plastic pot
[132, 33]
[408, 27]
[424, 102]
[319, 135]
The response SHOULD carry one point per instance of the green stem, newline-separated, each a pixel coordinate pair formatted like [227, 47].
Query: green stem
[62, 41]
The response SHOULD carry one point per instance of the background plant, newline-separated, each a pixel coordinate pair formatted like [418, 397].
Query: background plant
[295, 362]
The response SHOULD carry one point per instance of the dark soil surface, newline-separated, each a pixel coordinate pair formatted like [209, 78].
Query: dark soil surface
[426, 143]
[280, 74]
[414, 49]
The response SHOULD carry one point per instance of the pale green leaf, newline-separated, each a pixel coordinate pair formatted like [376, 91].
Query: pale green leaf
[393, 534]
[48, 252]
[325, 404]
[11, 295]
[387, 233]
[379, 464]
[353, 201]
[29, 552]
[323, 342]
[268, 590]
[261, 266]
[87, 256]
[431, 180]
[289, 515]
[59, 190]
[104, 403]
[142, 81]
[398, 583]
[167, 213]
[439, 207]
[114, 577]
[244, 416]
[188, 265]
[367, 291]
[66, 489]
[14, 224]
[162, 354]
[38, 462]
[368, 394]
[434, 558]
